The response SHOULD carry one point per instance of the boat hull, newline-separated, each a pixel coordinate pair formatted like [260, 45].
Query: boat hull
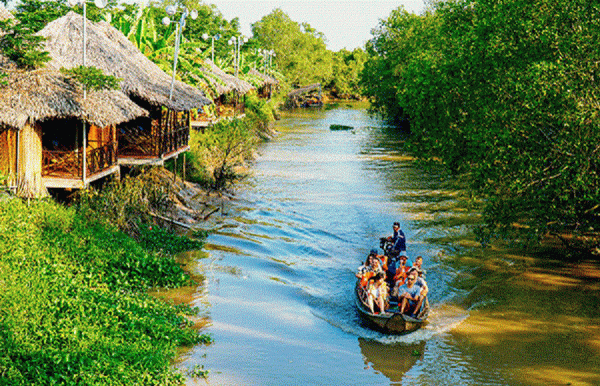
[391, 322]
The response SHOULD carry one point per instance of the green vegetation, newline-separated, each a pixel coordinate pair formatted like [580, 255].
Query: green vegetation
[92, 78]
[302, 57]
[504, 93]
[19, 42]
[73, 306]
[216, 155]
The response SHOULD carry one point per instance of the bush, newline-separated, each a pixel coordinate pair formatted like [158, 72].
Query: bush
[73, 302]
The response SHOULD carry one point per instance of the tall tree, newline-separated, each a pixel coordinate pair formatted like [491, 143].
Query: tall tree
[505, 92]
[301, 54]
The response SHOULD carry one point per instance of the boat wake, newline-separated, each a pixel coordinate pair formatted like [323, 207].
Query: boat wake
[442, 319]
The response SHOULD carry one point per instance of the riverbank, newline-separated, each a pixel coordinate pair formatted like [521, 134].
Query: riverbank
[74, 307]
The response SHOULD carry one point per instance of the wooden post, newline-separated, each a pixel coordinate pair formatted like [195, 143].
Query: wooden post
[84, 157]
[183, 177]
[175, 168]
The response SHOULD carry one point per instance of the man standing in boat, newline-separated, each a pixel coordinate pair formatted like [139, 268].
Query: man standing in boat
[399, 240]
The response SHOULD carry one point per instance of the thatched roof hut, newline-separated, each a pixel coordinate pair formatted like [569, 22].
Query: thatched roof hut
[38, 95]
[227, 82]
[109, 50]
[267, 80]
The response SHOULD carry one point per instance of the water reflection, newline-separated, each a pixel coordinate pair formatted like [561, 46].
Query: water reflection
[392, 360]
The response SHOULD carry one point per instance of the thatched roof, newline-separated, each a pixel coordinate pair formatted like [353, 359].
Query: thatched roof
[111, 51]
[228, 82]
[267, 80]
[38, 95]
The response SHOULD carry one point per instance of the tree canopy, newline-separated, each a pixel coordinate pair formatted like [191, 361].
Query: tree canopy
[506, 92]
[301, 54]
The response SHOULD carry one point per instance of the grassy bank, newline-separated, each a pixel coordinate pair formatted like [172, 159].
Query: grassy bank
[73, 301]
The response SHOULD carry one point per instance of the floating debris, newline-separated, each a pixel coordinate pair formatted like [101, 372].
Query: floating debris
[340, 127]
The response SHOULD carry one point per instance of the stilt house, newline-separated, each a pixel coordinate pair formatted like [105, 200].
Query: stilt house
[53, 137]
[153, 139]
[229, 88]
[268, 83]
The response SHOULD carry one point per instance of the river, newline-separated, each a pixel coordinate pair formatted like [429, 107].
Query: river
[278, 274]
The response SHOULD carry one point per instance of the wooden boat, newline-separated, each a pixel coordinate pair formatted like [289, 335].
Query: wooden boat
[392, 322]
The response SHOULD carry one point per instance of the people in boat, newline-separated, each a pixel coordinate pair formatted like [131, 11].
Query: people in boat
[418, 264]
[421, 283]
[377, 293]
[370, 268]
[397, 270]
[398, 238]
[383, 258]
[408, 295]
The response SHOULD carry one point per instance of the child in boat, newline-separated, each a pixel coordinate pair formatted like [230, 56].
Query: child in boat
[377, 293]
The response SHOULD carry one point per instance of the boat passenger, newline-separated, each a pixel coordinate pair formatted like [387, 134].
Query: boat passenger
[383, 258]
[408, 295]
[399, 270]
[366, 271]
[419, 265]
[377, 293]
[421, 283]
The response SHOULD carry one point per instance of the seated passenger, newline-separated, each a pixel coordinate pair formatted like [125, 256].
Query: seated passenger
[408, 295]
[399, 270]
[419, 265]
[383, 258]
[377, 293]
[366, 271]
[421, 283]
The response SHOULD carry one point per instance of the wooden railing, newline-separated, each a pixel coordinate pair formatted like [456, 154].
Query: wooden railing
[68, 164]
[166, 135]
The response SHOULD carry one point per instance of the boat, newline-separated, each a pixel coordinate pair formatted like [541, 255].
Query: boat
[392, 322]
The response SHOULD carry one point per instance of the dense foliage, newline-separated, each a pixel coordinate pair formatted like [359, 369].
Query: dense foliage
[92, 78]
[303, 58]
[506, 92]
[216, 155]
[19, 42]
[73, 306]
[301, 54]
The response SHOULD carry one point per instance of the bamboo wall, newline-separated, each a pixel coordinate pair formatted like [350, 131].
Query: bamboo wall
[30, 183]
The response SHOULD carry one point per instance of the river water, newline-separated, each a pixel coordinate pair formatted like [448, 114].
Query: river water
[278, 275]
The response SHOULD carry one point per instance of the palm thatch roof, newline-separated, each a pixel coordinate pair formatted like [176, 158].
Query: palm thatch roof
[267, 80]
[227, 82]
[38, 95]
[109, 50]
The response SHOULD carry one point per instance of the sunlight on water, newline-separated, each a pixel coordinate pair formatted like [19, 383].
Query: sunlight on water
[279, 267]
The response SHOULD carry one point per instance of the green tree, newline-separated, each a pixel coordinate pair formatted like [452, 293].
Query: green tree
[301, 54]
[503, 92]
[347, 67]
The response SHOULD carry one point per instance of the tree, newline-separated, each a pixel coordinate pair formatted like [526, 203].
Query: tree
[301, 54]
[347, 67]
[503, 92]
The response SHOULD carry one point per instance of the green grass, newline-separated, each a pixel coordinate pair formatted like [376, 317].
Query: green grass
[73, 302]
